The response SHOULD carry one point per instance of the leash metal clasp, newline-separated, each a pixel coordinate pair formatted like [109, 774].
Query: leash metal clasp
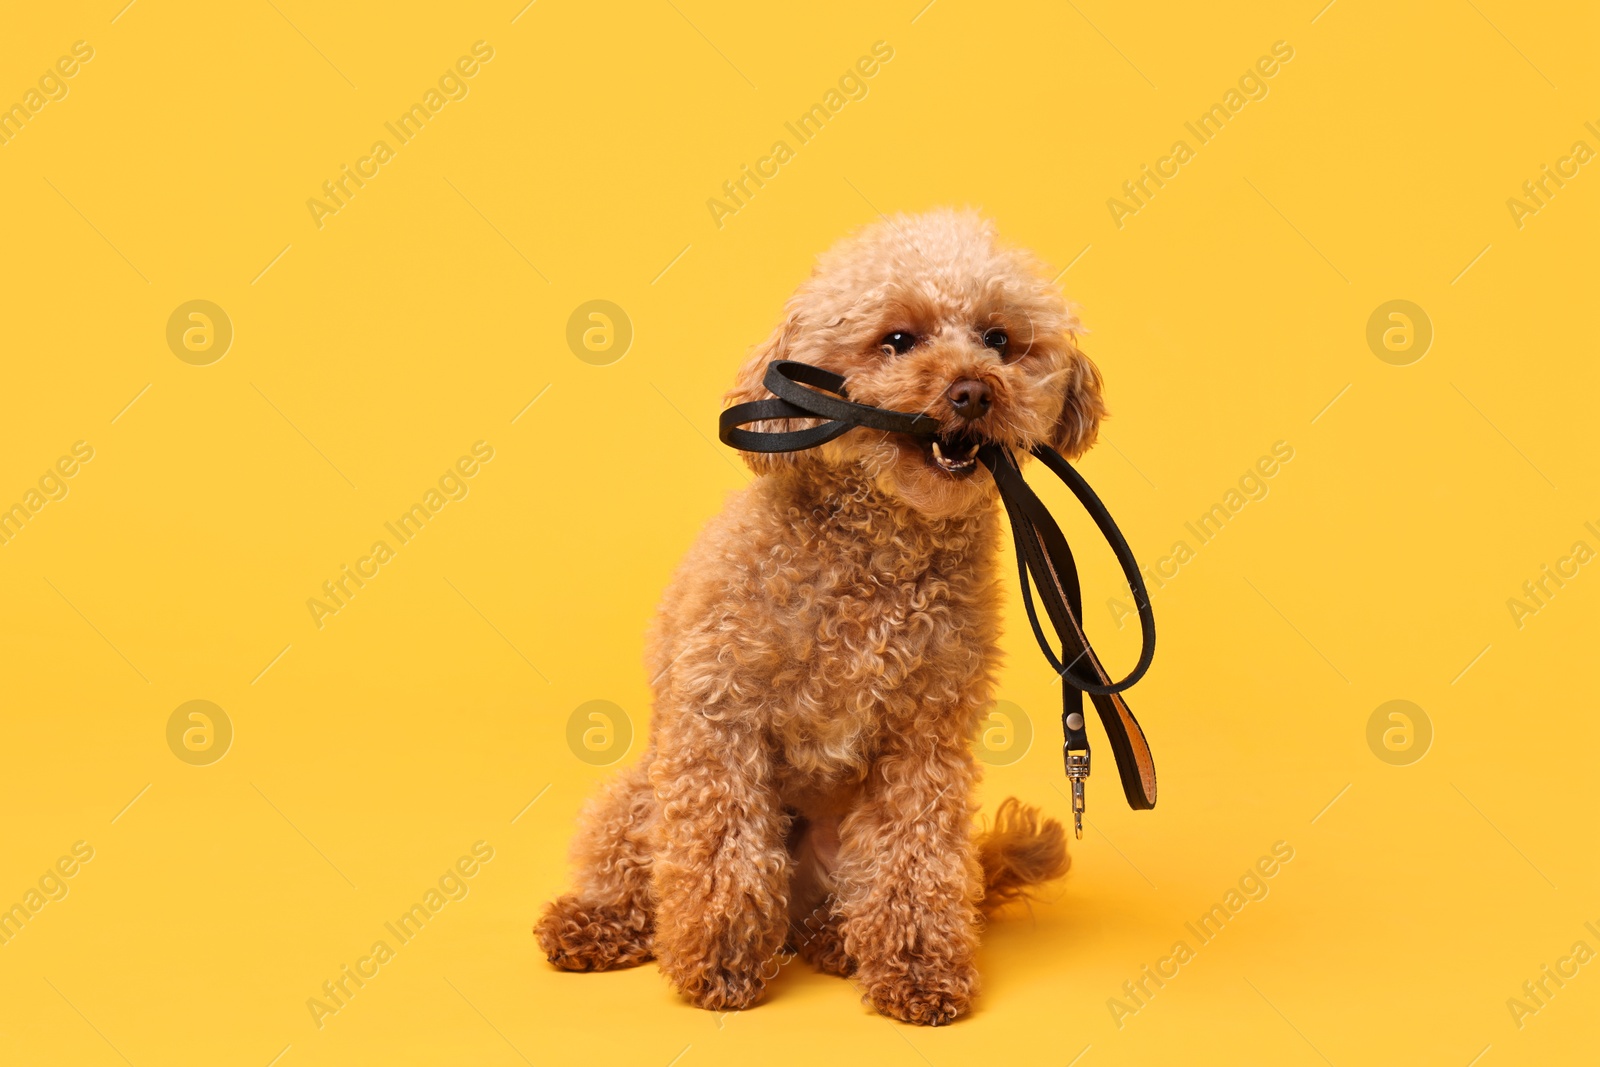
[1077, 774]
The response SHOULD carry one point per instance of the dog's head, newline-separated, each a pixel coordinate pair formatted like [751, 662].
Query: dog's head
[930, 314]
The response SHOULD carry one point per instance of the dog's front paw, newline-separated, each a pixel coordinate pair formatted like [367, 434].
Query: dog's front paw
[579, 936]
[715, 988]
[923, 994]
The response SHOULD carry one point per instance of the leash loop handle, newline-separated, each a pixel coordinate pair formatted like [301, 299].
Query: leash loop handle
[1054, 562]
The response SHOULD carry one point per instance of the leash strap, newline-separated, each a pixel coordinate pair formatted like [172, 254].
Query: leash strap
[1043, 554]
[788, 381]
[1044, 560]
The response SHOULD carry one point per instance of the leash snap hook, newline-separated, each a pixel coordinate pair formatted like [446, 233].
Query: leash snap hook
[1078, 775]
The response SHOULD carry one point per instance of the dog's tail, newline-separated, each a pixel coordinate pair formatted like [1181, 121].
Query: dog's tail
[1021, 849]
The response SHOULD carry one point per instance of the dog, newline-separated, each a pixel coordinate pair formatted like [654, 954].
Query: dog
[827, 650]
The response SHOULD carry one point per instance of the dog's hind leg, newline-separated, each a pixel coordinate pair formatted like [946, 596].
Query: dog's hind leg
[609, 919]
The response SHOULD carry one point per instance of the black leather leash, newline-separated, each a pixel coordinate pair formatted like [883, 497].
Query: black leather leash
[1044, 560]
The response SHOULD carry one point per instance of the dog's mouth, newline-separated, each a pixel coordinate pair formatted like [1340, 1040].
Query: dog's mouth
[954, 456]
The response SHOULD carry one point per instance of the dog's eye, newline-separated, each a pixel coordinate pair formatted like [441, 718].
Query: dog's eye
[899, 342]
[998, 340]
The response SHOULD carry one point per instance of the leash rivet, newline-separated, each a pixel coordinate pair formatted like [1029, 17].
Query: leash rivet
[1075, 721]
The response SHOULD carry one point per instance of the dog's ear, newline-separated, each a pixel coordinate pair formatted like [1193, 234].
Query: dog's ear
[747, 386]
[1084, 406]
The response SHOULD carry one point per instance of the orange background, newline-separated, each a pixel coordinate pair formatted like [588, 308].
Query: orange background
[431, 312]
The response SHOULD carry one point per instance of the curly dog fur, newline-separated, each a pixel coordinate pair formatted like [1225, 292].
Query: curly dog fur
[827, 650]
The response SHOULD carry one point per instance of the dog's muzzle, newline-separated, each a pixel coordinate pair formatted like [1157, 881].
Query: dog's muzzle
[805, 391]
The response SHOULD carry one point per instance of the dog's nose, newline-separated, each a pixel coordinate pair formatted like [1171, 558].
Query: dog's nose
[970, 398]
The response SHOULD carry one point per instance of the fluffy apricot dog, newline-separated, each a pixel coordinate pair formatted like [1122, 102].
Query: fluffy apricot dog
[826, 652]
